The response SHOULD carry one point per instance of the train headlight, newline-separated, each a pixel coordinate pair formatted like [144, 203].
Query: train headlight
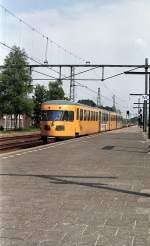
[60, 128]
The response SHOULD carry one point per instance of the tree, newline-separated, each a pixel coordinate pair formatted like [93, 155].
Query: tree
[40, 95]
[55, 91]
[15, 85]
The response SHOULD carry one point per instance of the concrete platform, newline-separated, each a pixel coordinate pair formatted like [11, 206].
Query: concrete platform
[91, 191]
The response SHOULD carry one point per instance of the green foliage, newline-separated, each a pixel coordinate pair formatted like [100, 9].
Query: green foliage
[15, 84]
[40, 95]
[55, 91]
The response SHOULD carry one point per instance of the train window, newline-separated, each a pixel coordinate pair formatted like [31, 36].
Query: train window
[77, 114]
[91, 115]
[106, 117]
[88, 115]
[65, 116]
[113, 118]
[81, 114]
[103, 117]
[52, 115]
[84, 114]
[99, 116]
[68, 115]
[96, 116]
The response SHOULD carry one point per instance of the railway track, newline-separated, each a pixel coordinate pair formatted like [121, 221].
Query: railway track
[19, 142]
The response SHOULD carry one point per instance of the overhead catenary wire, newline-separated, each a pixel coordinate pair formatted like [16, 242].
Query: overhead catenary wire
[42, 35]
[93, 68]
[30, 58]
[122, 73]
[95, 92]
[112, 91]
[50, 76]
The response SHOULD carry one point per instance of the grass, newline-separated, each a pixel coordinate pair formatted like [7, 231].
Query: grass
[31, 129]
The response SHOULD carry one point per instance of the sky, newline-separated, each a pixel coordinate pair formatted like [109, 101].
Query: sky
[102, 32]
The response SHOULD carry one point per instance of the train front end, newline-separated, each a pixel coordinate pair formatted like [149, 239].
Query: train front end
[57, 120]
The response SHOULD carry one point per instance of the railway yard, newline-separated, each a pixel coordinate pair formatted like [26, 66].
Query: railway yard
[91, 191]
[9, 143]
[74, 123]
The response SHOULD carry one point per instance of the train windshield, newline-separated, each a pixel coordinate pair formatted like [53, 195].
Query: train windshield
[52, 115]
[57, 115]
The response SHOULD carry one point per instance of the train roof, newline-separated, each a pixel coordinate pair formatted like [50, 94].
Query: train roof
[66, 102]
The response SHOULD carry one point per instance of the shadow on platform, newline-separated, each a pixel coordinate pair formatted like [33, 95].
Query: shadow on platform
[61, 180]
[125, 149]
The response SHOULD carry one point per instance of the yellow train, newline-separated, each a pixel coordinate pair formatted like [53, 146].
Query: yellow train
[65, 119]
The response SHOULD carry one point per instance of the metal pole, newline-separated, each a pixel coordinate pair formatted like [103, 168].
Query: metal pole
[102, 74]
[146, 75]
[144, 116]
[60, 73]
[71, 82]
[30, 74]
[138, 105]
[138, 111]
[46, 49]
[99, 97]
[145, 102]
[149, 111]
[114, 101]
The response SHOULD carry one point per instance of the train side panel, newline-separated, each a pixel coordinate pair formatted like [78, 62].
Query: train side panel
[63, 119]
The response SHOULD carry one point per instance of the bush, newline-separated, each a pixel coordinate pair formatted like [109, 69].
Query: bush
[1, 128]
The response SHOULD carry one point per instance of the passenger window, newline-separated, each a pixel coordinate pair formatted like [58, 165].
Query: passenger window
[99, 116]
[88, 115]
[77, 114]
[81, 114]
[96, 116]
[71, 116]
[65, 116]
[106, 117]
[91, 115]
[84, 114]
[68, 116]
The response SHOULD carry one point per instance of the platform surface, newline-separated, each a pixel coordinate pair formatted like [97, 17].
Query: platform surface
[89, 191]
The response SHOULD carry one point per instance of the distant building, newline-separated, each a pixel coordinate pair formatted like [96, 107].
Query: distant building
[7, 122]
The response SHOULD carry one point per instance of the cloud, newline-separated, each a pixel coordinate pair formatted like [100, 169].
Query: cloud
[104, 33]
[140, 42]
